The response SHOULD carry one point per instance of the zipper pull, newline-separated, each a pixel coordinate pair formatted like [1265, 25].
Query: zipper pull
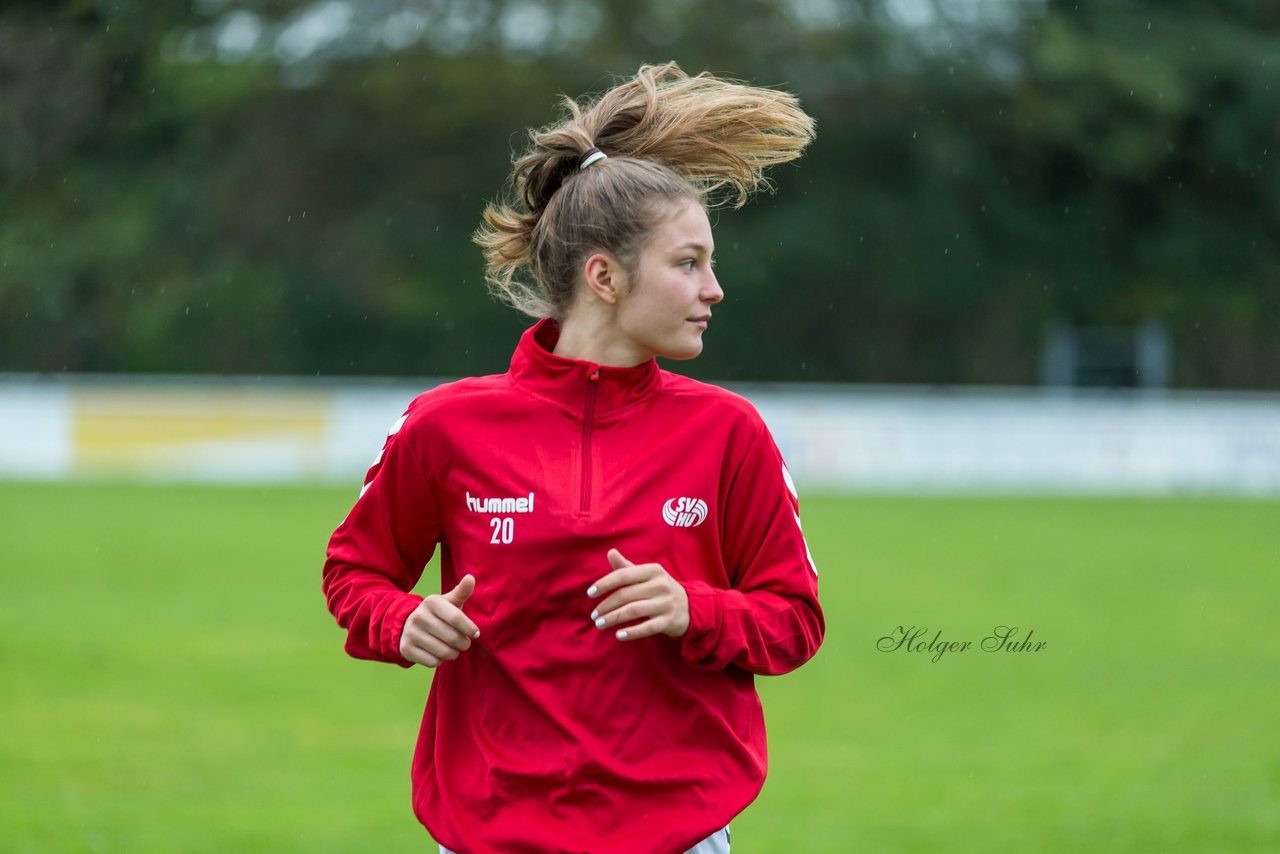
[594, 376]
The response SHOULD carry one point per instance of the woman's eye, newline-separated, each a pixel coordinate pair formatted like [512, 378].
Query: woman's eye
[688, 263]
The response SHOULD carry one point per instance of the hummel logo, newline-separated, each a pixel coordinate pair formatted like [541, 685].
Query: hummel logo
[684, 512]
[500, 505]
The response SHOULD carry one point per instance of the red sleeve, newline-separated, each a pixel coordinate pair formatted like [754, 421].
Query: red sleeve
[769, 620]
[378, 553]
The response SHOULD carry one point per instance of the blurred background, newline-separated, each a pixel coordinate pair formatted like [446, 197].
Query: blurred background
[1001, 191]
[1044, 198]
[1014, 320]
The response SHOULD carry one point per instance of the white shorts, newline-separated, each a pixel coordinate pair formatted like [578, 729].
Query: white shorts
[716, 843]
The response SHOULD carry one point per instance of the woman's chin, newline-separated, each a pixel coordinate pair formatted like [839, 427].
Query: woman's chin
[685, 350]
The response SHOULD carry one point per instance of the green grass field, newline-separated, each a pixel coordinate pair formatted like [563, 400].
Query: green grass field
[172, 681]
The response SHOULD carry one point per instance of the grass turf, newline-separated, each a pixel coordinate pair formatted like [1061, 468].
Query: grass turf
[172, 681]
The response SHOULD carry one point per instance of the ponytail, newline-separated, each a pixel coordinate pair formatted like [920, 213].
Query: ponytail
[667, 136]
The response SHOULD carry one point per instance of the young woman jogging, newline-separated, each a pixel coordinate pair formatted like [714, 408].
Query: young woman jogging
[620, 546]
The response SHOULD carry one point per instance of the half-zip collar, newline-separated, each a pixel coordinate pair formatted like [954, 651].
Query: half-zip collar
[569, 383]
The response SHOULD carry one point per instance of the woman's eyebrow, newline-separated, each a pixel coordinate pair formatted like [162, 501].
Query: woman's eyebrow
[692, 244]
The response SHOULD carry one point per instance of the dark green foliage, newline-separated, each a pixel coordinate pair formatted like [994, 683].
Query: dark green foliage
[972, 181]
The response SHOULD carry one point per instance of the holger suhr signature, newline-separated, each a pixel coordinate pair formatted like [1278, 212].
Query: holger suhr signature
[913, 639]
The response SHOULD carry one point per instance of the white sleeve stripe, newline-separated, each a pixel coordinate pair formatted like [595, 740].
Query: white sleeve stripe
[808, 554]
[395, 428]
[791, 484]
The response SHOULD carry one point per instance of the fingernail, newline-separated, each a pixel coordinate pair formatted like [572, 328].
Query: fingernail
[477, 634]
[591, 591]
[622, 635]
[595, 613]
[600, 623]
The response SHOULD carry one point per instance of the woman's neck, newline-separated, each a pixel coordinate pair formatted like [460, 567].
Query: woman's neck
[589, 336]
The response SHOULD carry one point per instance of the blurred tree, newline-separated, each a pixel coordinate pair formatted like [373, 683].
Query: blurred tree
[284, 186]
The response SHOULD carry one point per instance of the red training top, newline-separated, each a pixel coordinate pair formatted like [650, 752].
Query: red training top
[549, 734]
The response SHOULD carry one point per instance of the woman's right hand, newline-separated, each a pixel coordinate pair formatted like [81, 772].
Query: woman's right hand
[437, 630]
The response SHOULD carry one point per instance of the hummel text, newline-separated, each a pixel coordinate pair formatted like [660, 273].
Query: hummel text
[500, 505]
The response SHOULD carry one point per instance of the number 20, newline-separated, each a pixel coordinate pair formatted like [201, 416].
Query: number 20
[504, 530]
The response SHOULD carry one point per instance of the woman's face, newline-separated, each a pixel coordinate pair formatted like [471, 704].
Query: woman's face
[666, 305]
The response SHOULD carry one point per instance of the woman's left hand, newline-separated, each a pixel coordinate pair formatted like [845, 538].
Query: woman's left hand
[644, 592]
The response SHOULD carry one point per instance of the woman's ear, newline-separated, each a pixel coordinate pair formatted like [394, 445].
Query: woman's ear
[604, 276]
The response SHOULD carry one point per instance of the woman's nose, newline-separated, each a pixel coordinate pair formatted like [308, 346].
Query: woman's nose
[712, 292]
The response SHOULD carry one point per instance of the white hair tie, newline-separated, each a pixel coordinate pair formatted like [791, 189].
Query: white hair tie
[591, 155]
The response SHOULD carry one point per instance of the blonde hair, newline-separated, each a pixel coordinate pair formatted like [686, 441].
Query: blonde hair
[668, 137]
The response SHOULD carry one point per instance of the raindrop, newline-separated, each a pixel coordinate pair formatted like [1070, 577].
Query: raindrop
[913, 134]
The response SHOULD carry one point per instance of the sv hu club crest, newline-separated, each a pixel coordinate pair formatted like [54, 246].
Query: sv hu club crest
[684, 512]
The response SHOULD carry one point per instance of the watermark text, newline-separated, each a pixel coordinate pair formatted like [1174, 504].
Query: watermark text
[918, 639]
